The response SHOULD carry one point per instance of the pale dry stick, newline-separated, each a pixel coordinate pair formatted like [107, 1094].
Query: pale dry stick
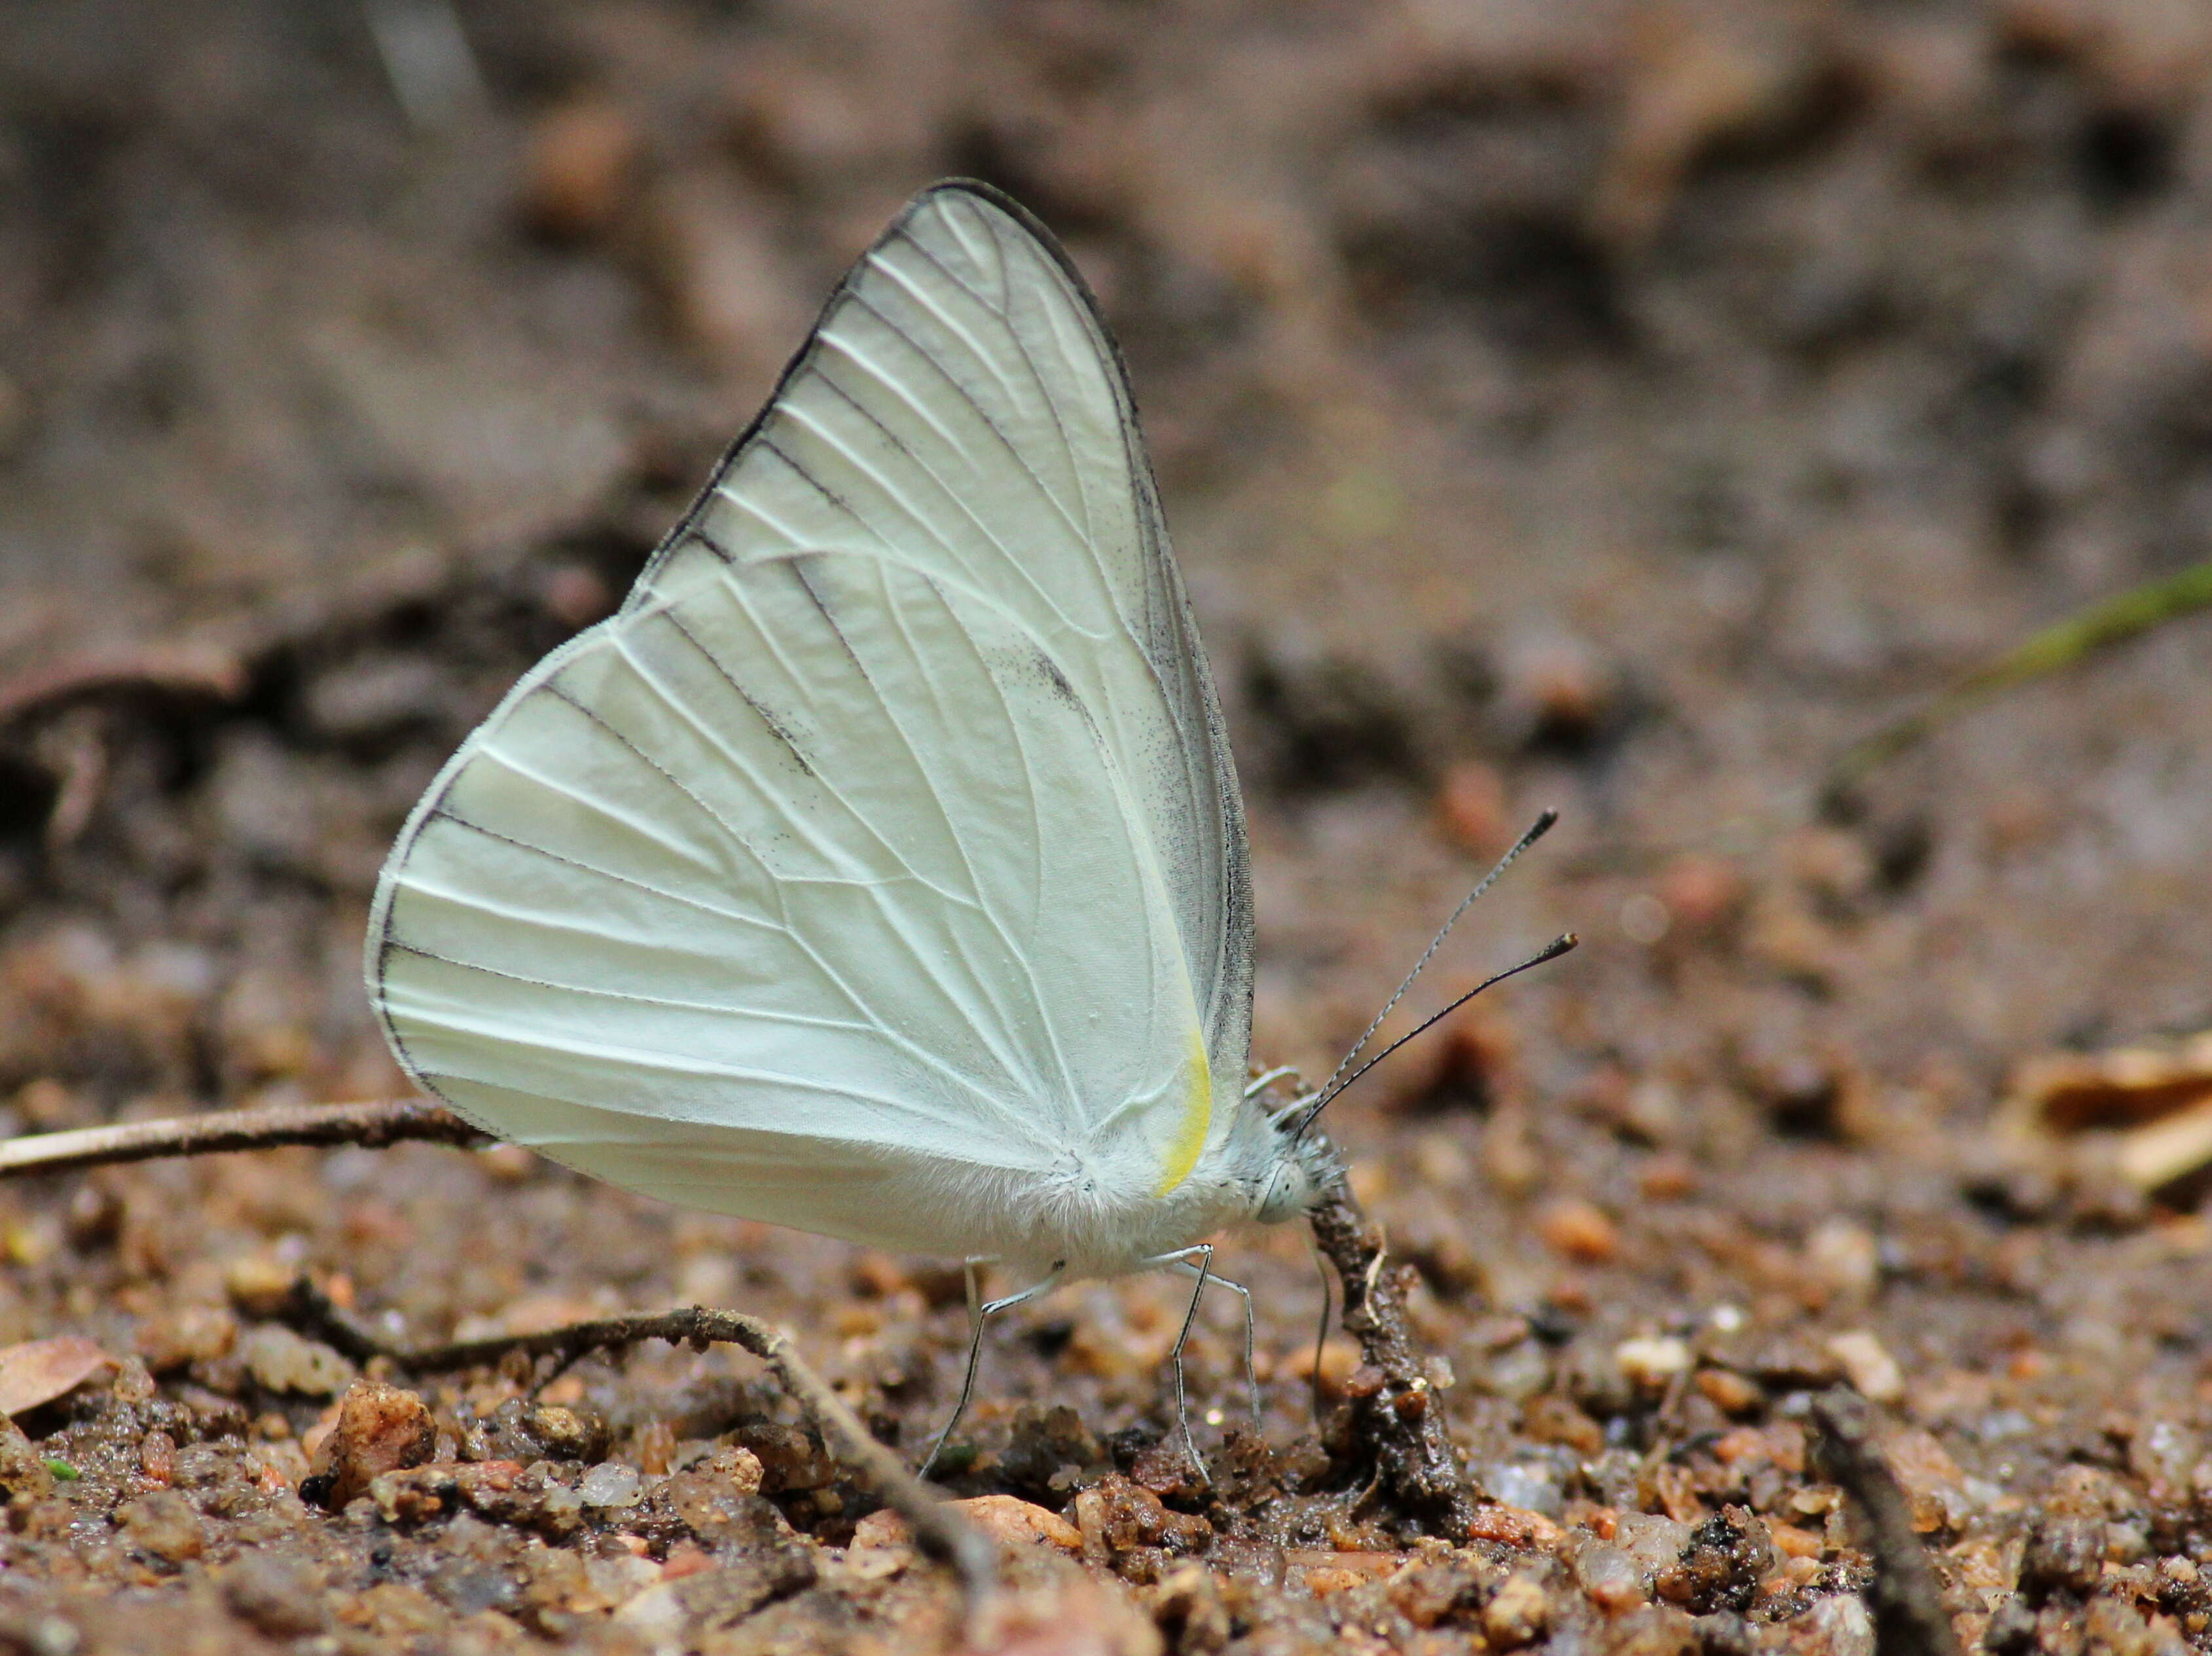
[370, 1126]
[937, 1530]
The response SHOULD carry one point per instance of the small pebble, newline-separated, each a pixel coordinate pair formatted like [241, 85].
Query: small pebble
[1610, 1577]
[164, 1525]
[1470, 808]
[278, 1598]
[380, 1429]
[282, 1360]
[1936, 1489]
[1846, 1257]
[1868, 1366]
[790, 1459]
[1555, 1419]
[654, 1447]
[157, 1457]
[1004, 1519]
[1651, 1362]
[1531, 1486]
[1518, 1614]
[23, 1469]
[188, 1334]
[510, 1163]
[1842, 1626]
[1729, 1391]
[1337, 1359]
[2065, 1556]
[1801, 1092]
[1512, 1526]
[1832, 864]
[1579, 1230]
[611, 1483]
[1652, 1541]
[877, 1276]
[1702, 894]
[258, 1285]
[581, 166]
[1792, 1542]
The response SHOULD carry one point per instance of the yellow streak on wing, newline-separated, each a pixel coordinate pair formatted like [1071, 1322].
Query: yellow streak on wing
[1197, 1116]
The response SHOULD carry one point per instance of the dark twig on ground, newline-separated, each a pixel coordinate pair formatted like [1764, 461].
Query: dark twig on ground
[1395, 1413]
[937, 1530]
[372, 1126]
[1909, 1618]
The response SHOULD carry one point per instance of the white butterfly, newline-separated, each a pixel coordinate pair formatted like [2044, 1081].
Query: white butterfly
[879, 868]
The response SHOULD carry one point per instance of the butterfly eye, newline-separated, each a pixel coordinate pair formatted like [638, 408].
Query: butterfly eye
[1286, 1195]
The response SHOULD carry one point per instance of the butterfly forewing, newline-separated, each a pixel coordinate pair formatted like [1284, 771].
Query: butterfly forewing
[888, 828]
[961, 409]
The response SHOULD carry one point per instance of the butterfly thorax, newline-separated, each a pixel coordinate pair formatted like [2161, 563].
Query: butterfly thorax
[1088, 1220]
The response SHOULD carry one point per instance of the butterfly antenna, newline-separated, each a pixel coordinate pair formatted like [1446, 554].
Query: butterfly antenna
[1541, 826]
[1550, 951]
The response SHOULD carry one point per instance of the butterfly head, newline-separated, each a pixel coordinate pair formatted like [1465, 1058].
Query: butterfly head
[1302, 1167]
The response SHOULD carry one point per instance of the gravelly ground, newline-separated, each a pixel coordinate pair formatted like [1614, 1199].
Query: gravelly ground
[1618, 407]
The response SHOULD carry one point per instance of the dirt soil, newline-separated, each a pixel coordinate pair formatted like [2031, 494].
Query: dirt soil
[1618, 407]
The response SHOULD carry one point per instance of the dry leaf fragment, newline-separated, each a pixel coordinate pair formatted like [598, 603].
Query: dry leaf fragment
[2158, 1153]
[39, 1371]
[2072, 1091]
[2158, 1097]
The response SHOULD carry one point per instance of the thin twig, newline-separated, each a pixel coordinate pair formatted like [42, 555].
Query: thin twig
[939, 1531]
[1394, 1406]
[2098, 627]
[1909, 1618]
[371, 1126]
[183, 674]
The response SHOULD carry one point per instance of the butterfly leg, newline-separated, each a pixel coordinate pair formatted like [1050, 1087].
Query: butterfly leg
[1202, 1270]
[1259, 1084]
[1251, 1366]
[977, 1316]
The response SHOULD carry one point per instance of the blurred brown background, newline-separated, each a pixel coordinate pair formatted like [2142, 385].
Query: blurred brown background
[1737, 369]
[1618, 406]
